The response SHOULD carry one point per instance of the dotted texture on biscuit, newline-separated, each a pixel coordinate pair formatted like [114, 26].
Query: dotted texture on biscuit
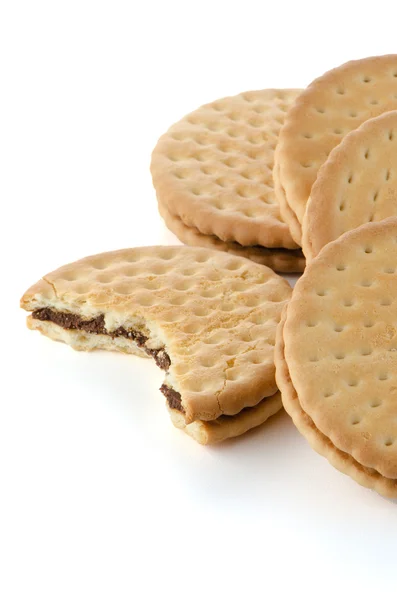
[217, 315]
[342, 461]
[356, 185]
[214, 168]
[341, 344]
[333, 105]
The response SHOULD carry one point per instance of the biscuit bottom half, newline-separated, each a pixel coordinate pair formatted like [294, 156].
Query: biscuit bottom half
[339, 459]
[83, 334]
[282, 260]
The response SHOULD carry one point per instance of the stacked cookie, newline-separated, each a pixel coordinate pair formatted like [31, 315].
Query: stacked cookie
[213, 175]
[335, 169]
[335, 177]
[336, 355]
[327, 111]
[271, 178]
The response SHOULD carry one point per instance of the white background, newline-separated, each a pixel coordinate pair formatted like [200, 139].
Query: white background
[100, 497]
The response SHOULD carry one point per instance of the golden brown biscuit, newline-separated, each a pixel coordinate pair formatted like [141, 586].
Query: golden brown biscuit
[207, 318]
[356, 185]
[213, 169]
[337, 354]
[332, 106]
[342, 461]
[225, 427]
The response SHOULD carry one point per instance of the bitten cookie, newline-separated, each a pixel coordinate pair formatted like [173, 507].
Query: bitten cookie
[336, 355]
[207, 318]
[213, 169]
[332, 106]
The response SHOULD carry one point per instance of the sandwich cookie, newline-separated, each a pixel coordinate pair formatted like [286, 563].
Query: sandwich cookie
[336, 355]
[213, 169]
[356, 185]
[331, 107]
[208, 319]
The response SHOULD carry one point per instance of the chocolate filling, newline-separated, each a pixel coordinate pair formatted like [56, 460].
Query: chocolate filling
[297, 252]
[97, 326]
[173, 397]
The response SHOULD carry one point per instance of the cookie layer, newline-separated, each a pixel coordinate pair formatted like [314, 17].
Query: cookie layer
[356, 185]
[211, 432]
[213, 168]
[340, 343]
[213, 315]
[332, 106]
[278, 259]
[319, 442]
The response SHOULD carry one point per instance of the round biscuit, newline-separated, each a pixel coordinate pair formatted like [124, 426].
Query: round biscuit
[332, 106]
[345, 463]
[340, 340]
[356, 185]
[215, 315]
[213, 168]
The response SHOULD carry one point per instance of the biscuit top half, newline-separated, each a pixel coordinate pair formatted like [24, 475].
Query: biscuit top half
[333, 105]
[214, 314]
[356, 185]
[214, 167]
[341, 344]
